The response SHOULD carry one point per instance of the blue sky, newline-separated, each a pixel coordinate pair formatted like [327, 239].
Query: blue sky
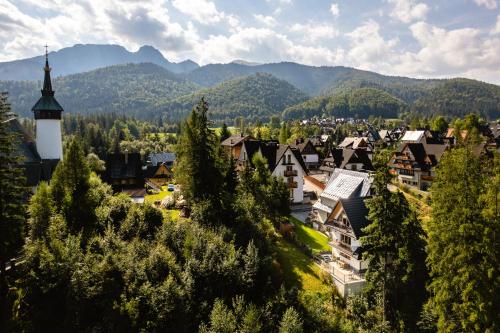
[417, 38]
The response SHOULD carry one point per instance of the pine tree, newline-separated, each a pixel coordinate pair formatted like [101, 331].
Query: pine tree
[70, 189]
[12, 200]
[284, 133]
[224, 133]
[395, 250]
[199, 168]
[12, 189]
[291, 322]
[463, 244]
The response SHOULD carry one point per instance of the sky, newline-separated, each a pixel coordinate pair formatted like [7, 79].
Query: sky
[417, 38]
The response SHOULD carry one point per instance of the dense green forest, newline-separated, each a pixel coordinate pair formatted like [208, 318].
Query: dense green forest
[254, 97]
[127, 89]
[315, 80]
[356, 103]
[457, 97]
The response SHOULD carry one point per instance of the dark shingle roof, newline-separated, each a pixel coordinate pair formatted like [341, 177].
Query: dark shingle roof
[357, 213]
[116, 168]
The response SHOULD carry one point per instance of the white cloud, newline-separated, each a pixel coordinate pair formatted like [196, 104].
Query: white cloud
[263, 45]
[266, 20]
[496, 28]
[202, 11]
[368, 49]
[334, 9]
[490, 4]
[312, 32]
[407, 11]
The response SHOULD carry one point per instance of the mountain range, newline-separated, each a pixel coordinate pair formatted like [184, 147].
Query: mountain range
[82, 58]
[108, 78]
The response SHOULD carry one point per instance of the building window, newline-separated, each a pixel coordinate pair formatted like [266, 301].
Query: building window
[304, 157]
[288, 168]
[289, 159]
[244, 156]
[354, 167]
[345, 239]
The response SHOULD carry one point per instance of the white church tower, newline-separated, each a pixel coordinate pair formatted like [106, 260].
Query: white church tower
[48, 120]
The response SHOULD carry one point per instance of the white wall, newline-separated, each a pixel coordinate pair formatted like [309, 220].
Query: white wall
[48, 138]
[310, 158]
[298, 193]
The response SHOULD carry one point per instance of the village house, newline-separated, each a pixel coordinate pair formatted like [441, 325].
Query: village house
[308, 152]
[340, 212]
[232, 145]
[350, 159]
[283, 161]
[124, 171]
[414, 163]
[345, 227]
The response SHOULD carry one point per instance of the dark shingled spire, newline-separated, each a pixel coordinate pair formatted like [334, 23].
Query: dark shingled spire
[47, 84]
[47, 106]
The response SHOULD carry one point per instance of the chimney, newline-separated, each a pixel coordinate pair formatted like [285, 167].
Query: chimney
[126, 156]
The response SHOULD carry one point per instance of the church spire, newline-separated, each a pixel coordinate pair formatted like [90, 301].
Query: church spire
[47, 84]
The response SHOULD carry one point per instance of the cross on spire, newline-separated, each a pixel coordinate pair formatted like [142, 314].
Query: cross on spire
[46, 51]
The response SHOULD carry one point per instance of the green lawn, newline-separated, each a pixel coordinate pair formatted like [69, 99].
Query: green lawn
[298, 269]
[151, 198]
[317, 241]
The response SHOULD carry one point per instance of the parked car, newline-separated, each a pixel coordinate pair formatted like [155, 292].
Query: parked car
[170, 187]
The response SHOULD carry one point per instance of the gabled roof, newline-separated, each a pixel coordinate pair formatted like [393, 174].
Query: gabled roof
[160, 158]
[353, 142]
[272, 151]
[357, 214]
[415, 136]
[347, 183]
[234, 140]
[342, 157]
[384, 134]
[118, 166]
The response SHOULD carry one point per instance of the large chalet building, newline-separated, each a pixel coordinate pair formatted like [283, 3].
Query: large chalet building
[340, 212]
[414, 162]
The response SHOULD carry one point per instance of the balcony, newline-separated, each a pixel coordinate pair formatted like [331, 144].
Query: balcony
[341, 246]
[290, 173]
[427, 178]
[291, 184]
[345, 274]
[338, 224]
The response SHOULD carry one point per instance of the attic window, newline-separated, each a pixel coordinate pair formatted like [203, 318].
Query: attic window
[289, 158]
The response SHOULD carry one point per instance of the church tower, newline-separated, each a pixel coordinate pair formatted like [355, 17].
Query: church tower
[48, 120]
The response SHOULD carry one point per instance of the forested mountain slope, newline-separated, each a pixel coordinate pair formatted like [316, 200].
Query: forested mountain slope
[254, 97]
[457, 97]
[128, 89]
[316, 80]
[357, 103]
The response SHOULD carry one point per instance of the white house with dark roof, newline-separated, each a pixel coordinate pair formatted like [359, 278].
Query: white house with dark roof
[345, 227]
[340, 212]
[283, 161]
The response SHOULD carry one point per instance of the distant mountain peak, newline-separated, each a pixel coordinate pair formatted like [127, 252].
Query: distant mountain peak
[87, 57]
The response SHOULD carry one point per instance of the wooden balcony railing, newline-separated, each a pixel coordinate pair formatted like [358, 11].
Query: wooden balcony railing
[341, 246]
[290, 173]
[292, 184]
